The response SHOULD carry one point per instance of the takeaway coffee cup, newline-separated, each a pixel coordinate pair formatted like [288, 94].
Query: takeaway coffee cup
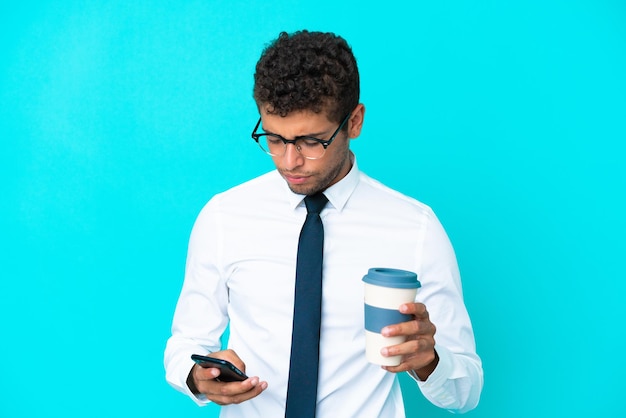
[385, 290]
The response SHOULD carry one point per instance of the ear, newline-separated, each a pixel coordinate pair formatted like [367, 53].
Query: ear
[355, 123]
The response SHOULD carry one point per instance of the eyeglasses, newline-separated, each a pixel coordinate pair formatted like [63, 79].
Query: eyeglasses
[309, 147]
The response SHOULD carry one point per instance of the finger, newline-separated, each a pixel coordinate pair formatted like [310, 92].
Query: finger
[410, 347]
[414, 328]
[231, 355]
[235, 392]
[205, 374]
[419, 325]
[416, 309]
[415, 355]
[236, 399]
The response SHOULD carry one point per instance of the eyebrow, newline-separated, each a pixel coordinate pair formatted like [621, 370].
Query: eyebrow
[315, 135]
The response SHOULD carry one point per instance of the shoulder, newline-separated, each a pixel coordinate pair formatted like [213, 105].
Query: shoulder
[248, 194]
[375, 191]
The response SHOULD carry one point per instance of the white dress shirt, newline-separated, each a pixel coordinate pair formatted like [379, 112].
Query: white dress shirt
[241, 271]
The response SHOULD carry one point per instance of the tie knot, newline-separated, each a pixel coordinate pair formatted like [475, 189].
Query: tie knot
[315, 203]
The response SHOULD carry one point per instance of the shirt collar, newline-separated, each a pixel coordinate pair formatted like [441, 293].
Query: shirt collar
[337, 194]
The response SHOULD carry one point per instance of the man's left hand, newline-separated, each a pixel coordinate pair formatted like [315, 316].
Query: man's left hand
[419, 349]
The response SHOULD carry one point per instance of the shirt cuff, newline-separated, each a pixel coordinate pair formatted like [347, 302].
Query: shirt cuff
[442, 372]
[177, 374]
[433, 388]
[200, 398]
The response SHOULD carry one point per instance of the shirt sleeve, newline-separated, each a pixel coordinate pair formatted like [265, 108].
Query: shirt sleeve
[201, 312]
[457, 381]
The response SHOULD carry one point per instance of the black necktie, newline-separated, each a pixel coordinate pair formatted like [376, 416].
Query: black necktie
[307, 310]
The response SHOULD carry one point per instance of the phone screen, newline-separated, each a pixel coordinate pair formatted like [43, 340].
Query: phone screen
[228, 371]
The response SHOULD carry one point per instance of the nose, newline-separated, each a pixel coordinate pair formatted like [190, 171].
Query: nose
[292, 157]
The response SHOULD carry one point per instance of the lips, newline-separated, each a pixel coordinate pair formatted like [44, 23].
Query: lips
[295, 179]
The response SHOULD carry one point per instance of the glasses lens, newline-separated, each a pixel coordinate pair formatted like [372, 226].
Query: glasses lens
[310, 148]
[274, 145]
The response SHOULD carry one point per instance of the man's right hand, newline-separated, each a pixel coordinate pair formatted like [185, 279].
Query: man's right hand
[202, 381]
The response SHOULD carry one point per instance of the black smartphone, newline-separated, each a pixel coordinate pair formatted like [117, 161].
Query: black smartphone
[228, 371]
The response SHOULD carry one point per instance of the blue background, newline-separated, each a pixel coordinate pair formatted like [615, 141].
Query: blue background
[119, 120]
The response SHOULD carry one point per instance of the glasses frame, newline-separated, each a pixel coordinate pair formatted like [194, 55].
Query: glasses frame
[325, 143]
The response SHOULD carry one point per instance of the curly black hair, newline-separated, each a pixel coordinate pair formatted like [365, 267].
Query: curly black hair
[305, 70]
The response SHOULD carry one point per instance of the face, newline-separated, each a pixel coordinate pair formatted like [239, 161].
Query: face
[304, 176]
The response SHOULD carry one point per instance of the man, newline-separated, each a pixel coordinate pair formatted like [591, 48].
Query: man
[243, 257]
